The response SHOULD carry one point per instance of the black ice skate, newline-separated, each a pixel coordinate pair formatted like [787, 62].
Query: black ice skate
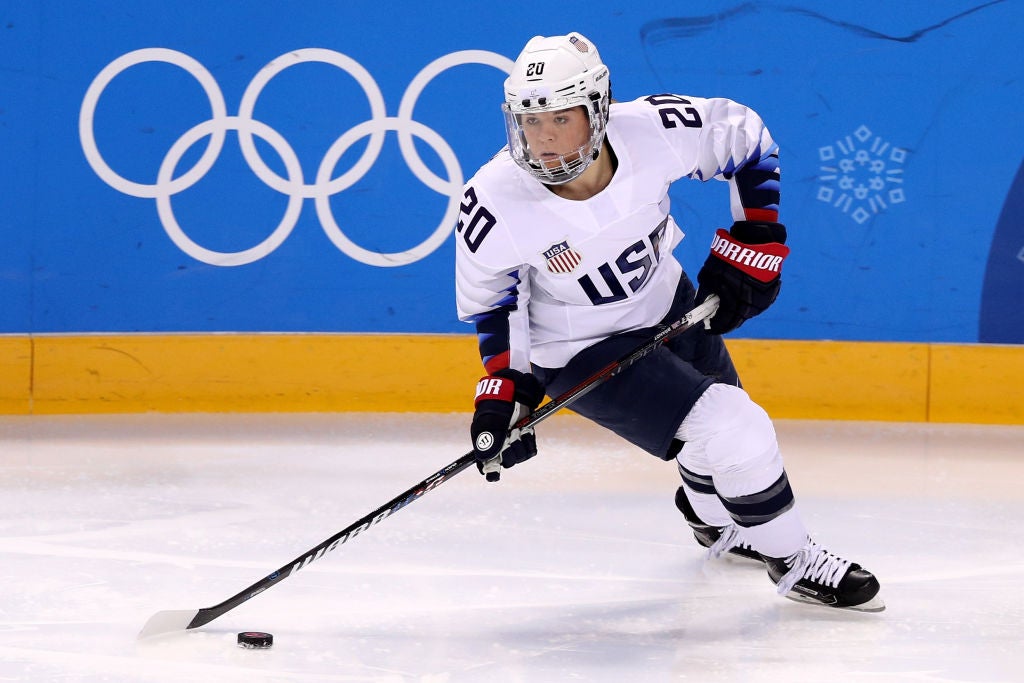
[816, 576]
[711, 537]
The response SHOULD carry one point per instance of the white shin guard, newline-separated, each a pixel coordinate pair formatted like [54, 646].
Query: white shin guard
[733, 471]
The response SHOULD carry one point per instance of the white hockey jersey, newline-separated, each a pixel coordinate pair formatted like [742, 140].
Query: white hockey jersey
[544, 277]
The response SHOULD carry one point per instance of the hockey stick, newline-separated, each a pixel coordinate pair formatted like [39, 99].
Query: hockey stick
[180, 620]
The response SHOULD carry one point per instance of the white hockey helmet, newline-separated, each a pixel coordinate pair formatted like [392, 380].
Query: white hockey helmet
[552, 74]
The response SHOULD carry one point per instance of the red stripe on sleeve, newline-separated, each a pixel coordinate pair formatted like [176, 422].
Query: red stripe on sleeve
[495, 363]
[766, 215]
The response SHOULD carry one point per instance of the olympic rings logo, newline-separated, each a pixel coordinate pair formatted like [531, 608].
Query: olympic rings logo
[294, 185]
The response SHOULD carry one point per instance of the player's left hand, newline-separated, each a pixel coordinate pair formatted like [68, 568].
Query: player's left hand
[745, 270]
[502, 399]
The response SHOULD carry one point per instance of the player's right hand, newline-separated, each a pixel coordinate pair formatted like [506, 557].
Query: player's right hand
[502, 399]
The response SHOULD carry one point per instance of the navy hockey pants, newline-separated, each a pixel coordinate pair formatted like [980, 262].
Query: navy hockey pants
[646, 403]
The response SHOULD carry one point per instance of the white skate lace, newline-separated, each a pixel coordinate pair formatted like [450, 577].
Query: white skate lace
[814, 563]
[729, 539]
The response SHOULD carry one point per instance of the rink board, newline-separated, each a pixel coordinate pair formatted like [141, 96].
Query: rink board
[58, 374]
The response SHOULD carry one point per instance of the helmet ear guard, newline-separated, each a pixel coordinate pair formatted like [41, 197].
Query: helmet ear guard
[552, 74]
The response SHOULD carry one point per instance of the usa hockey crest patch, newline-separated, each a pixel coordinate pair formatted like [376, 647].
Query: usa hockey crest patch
[562, 258]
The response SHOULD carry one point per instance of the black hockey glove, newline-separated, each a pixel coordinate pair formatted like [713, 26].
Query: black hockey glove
[502, 399]
[744, 270]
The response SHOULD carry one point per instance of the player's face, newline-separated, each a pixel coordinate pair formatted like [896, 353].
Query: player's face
[553, 134]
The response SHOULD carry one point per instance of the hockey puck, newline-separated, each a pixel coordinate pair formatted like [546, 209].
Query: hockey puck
[255, 639]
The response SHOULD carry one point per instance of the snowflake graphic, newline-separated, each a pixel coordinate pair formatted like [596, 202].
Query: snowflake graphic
[864, 177]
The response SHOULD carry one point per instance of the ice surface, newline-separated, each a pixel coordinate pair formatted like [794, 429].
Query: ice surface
[576, 566]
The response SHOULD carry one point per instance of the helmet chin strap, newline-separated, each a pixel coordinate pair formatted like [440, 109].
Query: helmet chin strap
[563, 173]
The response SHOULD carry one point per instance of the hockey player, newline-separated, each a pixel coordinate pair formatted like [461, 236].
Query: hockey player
[565, 263]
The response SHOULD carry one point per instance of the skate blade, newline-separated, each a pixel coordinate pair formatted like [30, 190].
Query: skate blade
[875, 604]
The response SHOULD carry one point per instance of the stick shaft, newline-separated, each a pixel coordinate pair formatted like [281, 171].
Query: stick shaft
[208, 614]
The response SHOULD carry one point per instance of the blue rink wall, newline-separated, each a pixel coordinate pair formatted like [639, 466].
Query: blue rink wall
[286, 167]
